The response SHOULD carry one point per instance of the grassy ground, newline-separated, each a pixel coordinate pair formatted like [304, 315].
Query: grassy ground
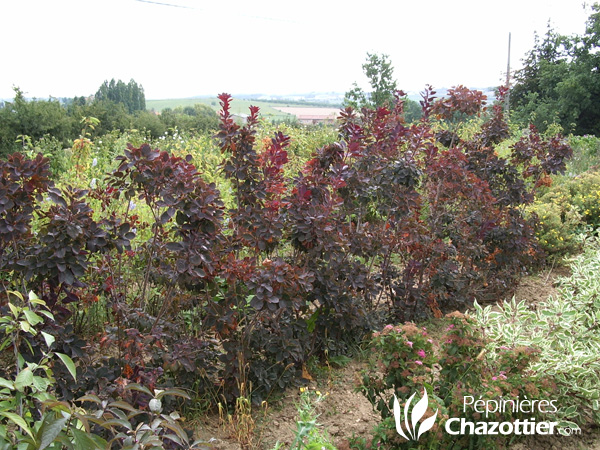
[239, 106]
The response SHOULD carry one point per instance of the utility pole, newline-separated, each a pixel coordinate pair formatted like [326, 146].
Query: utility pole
[507, 101]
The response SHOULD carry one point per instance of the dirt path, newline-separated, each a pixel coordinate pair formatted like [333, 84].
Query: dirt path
[534, 289]
[344, 413]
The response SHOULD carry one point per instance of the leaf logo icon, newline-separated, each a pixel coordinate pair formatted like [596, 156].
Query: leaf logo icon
[417, 414]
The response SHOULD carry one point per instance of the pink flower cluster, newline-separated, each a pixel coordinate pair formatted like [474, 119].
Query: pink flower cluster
[502, 376]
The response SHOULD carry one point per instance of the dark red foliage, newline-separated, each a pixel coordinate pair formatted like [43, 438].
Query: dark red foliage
[23, 182]
[393, 222]
[460, 100]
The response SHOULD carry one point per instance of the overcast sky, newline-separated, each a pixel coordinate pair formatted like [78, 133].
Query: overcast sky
[183, 48]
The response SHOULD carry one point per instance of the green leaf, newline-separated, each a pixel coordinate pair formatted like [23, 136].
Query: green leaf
[34, 299]
[174, 439]
[41, 384]
[5, 343]
[17, 420]
[50, 429]
[123, 405]
[24, 379]
[566, 424]
[48, 338]
[7, 384]
[115, 422]
[83, 441]
[67, 361]
[65, 441]
[312, 321]
[172, 391]
[20, 361]
[56, 405]
[340, 360]
[137, 387]
[25, 326]
[48, 314]
[14, 310]
[121, 414]
[90, 398]
[32, 317]
[174, 427]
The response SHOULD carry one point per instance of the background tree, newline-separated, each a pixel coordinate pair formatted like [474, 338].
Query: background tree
[380, 73]
[32, 119]
[131, 94]
[198, 117]
[560, 81]
[356, 98]
[112, 115]
[378, 69]
[150, 122]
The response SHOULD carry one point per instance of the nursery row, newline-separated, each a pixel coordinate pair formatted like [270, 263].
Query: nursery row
[225, 278]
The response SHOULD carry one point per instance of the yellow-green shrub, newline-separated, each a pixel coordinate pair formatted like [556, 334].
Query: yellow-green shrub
[559, 223]
[585, 195]
[565, 208]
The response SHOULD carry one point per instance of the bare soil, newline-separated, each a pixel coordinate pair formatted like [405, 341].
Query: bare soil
[345, 413]
[539, 287]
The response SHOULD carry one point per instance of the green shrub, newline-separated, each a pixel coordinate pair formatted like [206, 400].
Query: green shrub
[585, 195]
[32, 417]
[558, 226]
[564, 209]
[405, 361]
[585, 154]
[304, 140]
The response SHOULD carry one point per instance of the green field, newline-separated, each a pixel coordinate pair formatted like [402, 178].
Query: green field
[238, 106]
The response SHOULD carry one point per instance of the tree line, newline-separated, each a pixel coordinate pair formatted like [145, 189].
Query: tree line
[558, 86]
[560, 81]
[117, 105]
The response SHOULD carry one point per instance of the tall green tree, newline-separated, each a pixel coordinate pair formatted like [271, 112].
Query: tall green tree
[380, 73]
[560, 81]
[131, 94]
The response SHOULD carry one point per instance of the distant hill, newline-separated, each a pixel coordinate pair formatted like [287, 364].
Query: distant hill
[238, 106]
[267, 103]
[490, 92]
[326, 99]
